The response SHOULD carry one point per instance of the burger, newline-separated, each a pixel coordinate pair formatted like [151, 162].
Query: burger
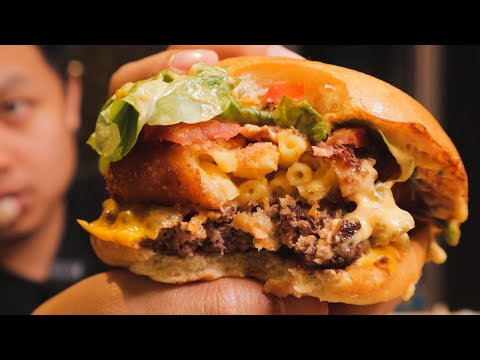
[315, 179]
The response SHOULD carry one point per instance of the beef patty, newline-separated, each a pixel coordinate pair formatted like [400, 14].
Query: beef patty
[323, 240]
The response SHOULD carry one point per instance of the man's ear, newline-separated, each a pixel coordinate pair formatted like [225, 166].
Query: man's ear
[73, 102]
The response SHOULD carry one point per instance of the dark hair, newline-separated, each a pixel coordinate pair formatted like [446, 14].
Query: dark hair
[58, 57]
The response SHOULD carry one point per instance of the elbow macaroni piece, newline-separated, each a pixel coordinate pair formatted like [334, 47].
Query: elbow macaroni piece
[219, 181]
[256, 160]
[291, 146]
[299, 173]
[225, 159]
[253, 191]
[280, 186]
[314, 190]
[323, 180]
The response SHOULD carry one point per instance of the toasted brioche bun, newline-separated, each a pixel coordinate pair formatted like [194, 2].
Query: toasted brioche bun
[383, 274]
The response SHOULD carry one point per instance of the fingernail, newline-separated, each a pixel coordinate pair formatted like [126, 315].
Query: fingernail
[183, 60]
[303, 306]
[278, 50]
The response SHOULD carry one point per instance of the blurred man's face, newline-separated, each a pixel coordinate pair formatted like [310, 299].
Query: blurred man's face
[38, 120]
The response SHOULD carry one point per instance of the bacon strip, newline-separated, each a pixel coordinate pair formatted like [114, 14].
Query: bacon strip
[340, 153]
[349, 136]
[186, 134]
[323, 150]
[260, 133]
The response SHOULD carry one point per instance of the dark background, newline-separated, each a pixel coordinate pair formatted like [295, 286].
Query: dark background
[456, 282]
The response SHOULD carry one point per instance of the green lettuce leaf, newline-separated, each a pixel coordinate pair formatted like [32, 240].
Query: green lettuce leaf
[303, 117]
[243, 116]
[165, 99]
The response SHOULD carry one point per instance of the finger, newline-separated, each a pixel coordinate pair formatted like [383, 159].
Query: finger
[179, 61]
[225, 296]
[183, 60]
[282, 51]
[375, 309]
[120, 292]
[226, 51]
[303, 306]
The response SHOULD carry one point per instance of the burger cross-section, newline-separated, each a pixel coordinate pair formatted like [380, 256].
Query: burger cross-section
[315, 179]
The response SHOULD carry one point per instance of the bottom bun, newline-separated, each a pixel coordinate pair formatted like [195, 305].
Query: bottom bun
[383, 274]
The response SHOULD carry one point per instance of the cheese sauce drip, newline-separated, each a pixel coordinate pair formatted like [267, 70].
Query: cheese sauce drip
[130, 225]
[382, 221]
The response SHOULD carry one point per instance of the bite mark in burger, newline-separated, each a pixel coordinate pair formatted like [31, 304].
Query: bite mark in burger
[315, 179]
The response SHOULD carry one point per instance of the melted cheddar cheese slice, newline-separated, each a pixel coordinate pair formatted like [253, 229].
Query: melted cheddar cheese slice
[129, 226]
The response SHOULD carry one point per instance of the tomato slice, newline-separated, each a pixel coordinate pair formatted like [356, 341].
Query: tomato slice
[276, 91]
